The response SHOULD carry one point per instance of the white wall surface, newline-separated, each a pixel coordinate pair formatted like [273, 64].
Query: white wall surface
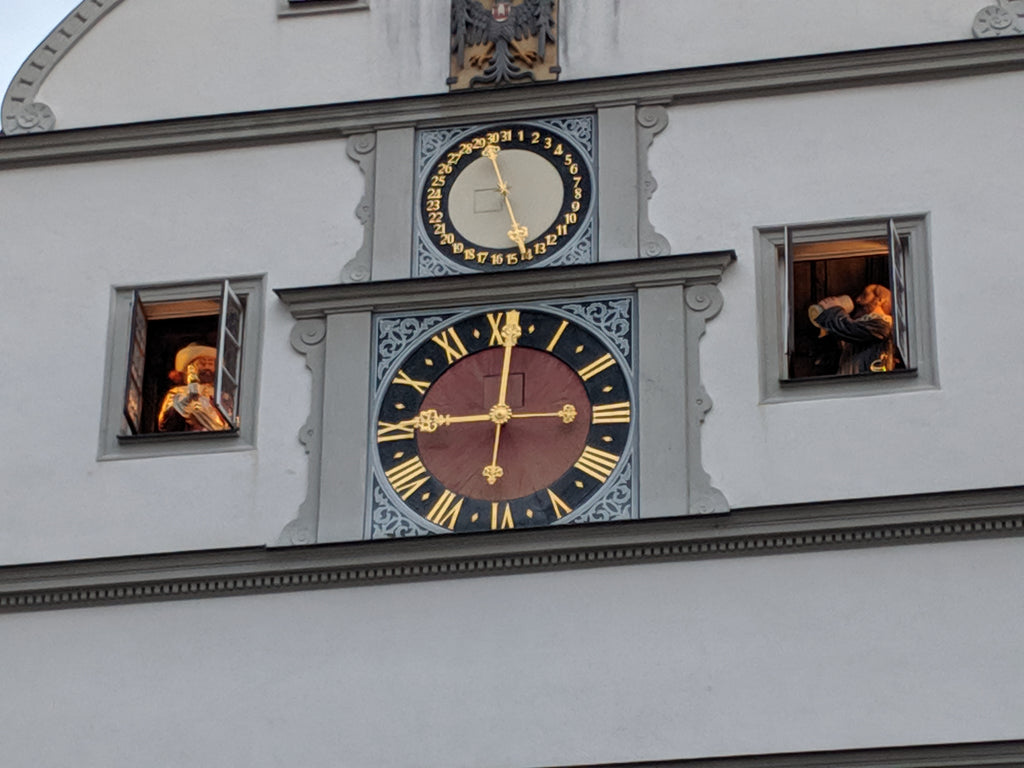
[72, 233]
[146, 61]
[724, 169]
[864, 648]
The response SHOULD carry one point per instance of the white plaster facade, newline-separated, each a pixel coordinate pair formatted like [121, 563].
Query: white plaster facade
[844, 649]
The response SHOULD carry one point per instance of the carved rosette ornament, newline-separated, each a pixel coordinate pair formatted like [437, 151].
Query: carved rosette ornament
[503, 42]
[34, 118]
[1006, 18]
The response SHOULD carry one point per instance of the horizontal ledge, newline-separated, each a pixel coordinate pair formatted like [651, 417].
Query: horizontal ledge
[965, 755]
[914, 63]
[516, 285]
[962, 515]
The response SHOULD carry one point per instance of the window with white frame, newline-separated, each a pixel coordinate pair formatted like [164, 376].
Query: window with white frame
[182, 368]
[845, 308]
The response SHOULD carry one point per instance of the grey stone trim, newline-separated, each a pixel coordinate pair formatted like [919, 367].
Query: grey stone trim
[651, 121]
[970, 755]
[285, 8]
[701, 84]
[362, 149]
[20, 113]
[784, 530]
[676, 295]
[456, 290]
[307, 338]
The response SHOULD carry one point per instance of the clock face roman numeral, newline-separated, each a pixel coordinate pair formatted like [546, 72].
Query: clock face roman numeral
[452, 345]
[560, 507]
[388, 433]
[404, 378]
[407, 477]
[597, 463]
[501, 518]
[445, 511]
[611, 413]
[605, 361]
[495, 320]
[557, 335]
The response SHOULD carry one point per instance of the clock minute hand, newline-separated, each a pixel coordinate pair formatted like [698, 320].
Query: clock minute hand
[500, 413]
[518, 233]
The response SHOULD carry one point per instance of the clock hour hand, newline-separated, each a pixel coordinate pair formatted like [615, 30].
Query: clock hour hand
[567, 413]
[518, 233]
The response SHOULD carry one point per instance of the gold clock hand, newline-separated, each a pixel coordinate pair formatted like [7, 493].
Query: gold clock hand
[510, 333]
[567, 413]
[518, 233]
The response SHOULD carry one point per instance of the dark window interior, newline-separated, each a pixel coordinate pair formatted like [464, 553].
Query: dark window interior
[163, 340]
[821, 269]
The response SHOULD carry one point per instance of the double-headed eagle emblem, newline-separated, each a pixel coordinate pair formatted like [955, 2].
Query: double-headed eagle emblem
[504, 44]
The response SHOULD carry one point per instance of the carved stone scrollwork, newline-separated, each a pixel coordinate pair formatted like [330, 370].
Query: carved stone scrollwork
[704, 299]
[703, 302]
[307, 338]
[651, 120]
[362, 149]
[19, 111]
[1006, 18]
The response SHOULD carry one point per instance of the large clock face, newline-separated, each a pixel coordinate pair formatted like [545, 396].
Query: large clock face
[507, 196]
[507, 418]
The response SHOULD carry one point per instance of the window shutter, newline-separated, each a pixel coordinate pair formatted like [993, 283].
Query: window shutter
[136, 366]
[229, 355]
[787, 304]
[898, 282]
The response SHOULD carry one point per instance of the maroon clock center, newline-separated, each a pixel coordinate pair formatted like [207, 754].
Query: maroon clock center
[534, 449]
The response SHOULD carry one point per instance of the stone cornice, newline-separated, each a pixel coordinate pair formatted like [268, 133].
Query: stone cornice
[693, 85]
[970, 755]
[519, 285]
[929, 518]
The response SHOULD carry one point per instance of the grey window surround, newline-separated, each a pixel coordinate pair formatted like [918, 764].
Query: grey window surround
[305, 7]
[252, 290]
[775, 388]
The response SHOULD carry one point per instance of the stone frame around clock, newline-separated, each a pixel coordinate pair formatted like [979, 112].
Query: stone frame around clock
[622, 178]
[675, 297]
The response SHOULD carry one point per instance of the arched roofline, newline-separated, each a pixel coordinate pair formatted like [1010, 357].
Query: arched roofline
[20, 112]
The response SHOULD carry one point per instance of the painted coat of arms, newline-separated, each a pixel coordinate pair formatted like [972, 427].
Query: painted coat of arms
[503, 42]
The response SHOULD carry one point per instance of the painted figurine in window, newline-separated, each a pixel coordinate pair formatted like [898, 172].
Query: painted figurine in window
[189, 406]
[863, 328]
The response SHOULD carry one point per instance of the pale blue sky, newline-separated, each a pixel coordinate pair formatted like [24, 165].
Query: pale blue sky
[23, 25]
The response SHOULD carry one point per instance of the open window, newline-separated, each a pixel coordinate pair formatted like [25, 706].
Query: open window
[196, 345]
[849, 307]
[186, 356]
[869, 328]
